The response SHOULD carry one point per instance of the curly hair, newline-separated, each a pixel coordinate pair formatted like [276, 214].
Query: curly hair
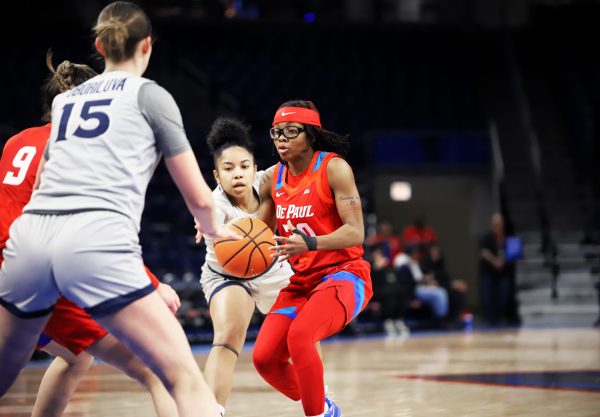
[66, 76]
[225, 133]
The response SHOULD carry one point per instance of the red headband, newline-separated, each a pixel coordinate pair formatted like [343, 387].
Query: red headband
[298, 115]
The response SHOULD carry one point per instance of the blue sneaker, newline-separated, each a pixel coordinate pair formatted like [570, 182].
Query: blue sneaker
[333, 410]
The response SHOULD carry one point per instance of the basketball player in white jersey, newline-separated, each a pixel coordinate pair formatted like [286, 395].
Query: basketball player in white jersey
[232, 301]
[107, 137]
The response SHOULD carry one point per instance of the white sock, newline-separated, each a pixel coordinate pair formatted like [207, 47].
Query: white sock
[318, 415]
[221, 409]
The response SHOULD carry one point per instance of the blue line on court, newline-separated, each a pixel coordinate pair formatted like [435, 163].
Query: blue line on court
[576, 380]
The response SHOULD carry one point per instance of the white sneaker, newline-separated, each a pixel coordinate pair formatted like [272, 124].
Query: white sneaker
[332, 409]
[401, 327]
[390, 328]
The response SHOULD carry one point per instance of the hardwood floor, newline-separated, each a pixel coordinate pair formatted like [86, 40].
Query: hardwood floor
[527, 372]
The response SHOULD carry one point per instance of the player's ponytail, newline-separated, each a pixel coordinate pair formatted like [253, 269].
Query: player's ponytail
[66, 76]
[225, 133]
[121, 25]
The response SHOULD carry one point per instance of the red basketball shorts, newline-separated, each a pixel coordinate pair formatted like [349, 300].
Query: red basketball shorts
[352, 282]
[70, 326]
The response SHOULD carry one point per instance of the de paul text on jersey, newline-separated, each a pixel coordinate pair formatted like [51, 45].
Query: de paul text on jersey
[293, 211]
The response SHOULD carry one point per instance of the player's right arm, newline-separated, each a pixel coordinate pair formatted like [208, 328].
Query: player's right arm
[185, 172]
[267, 205]
[221, 216]
[198, 196]
[38, 174]
[163, 116]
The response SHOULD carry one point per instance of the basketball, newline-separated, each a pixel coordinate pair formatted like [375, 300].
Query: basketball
[250, 256]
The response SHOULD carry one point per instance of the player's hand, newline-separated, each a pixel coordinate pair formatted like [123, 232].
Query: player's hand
[288, 246]
[169, 296]
[221, 231]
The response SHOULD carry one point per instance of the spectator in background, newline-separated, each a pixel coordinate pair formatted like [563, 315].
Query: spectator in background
[389, 297]
[389, 243]
[419, 287]
[419, 233]
[434, 267]
[496, 275]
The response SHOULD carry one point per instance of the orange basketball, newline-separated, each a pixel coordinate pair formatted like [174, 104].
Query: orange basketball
[249, 257]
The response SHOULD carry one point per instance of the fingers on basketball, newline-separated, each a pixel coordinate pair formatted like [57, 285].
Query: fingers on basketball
[250, 256]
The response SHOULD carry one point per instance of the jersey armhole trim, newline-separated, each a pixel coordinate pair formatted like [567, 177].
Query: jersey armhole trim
[323, 189]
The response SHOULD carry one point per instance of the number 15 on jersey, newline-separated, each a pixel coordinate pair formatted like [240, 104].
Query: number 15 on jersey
[92, 111]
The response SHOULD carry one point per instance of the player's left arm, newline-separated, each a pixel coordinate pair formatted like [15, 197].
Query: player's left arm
[349, 208]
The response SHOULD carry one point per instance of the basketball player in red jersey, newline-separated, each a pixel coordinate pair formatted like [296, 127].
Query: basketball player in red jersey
[311, 197]
[22, 153]
[71, 334]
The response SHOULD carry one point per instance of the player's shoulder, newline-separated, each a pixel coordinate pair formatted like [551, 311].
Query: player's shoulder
[267, 174]
[334, 158]
[258, 179]
[29, 136]
[151, 87]
[153, 94]
[337, 165]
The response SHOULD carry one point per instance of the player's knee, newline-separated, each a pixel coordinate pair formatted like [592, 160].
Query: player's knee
[299, 340]
[262, 358]
[148, 378]
[232, 335]
[82, 361]
[78, 368]
[299, 334]
[178, 379]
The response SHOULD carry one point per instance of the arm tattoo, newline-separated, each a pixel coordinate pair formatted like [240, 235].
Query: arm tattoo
[350, 203]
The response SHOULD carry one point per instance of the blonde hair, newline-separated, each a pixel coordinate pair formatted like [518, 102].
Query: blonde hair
[121, 25]
[66, 76]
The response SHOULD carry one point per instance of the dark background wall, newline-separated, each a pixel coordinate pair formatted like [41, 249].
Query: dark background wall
[407, 69]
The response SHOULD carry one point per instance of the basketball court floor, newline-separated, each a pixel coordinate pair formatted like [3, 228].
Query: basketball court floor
[526, 372]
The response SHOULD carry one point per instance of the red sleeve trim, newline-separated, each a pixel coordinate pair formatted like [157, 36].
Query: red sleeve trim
[152, 277]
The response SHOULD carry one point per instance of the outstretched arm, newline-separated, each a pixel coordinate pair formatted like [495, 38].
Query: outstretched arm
[163, 116]
[198, 197]
[267, 205]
